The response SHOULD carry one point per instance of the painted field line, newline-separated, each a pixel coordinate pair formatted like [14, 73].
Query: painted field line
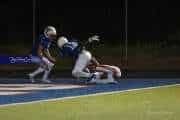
[88, 95]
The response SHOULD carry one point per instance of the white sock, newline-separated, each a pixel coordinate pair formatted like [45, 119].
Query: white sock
[36, 72]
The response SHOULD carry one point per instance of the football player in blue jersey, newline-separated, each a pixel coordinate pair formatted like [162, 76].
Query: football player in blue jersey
[78, 51]
[41, 55]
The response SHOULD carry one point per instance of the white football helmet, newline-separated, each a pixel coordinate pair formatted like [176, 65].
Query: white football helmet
[61, 41]
[50, 32]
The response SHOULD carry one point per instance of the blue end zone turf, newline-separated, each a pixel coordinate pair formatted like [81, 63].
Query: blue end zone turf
[57, 90]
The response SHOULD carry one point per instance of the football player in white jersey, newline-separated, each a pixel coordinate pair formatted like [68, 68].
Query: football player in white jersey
[104, 73]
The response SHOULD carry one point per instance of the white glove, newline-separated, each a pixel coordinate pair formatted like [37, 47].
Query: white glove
[94, 38]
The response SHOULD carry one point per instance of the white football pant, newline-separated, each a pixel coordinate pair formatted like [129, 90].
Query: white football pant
[41, 69]
[81, 63]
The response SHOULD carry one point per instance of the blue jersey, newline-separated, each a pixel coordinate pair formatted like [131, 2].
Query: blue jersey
[70, 49]
[43, 41]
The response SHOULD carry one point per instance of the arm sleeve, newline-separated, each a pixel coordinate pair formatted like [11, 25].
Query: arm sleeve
[44, 42]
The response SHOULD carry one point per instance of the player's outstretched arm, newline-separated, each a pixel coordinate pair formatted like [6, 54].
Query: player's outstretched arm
[94, 61]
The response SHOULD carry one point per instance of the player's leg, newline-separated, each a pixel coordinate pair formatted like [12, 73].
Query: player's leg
[103, 75]
[47, 70]
[109, 75]
[39, 70]
[80, 65]
[36, 72]
[107, 71]
[116, 70]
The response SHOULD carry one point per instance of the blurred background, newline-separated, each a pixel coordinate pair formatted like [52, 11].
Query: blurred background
[141, 37]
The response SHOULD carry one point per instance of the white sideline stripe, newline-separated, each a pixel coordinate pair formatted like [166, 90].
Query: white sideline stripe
[31, 87]
[13, 93]
[96, 94]
[38, 79]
